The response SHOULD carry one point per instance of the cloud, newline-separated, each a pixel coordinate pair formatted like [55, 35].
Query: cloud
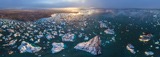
[80, 3]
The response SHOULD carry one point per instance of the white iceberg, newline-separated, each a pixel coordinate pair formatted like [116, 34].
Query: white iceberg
[103, 25]
[130, 47]
[12, 42]
[92, 46]
[26, 47]
[57, 47]
[145, 38]
[109, 31]
[49, 37]
[149, 53]
[68, 37]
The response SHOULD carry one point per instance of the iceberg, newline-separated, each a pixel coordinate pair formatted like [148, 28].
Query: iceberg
[92, 46]
[148, 53]
[57, 47]
[145, 38]
[12, 42]
[16, 34]
[130, 47]
[103, 25]
[49, 37]
[109, 31]
[68, 37]
[26, 47]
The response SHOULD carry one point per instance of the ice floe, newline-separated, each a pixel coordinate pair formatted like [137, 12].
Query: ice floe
[109, 31]
[68, 37]
[145, 38]
[57, 47]
[27, 47]
[130, 47]
[149, 53]
[103, 25]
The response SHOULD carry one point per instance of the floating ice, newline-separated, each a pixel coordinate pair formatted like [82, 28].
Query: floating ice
[49, 37]
[145, 38]
[86, 38]
[157, 47]
[149, 53]
[92, 46]
[103, 25]
[39, 36]
[57, 47]
[130, 47]
[16, 34]
[26, 47]
[12, 42]
[157, 42]
[1, 35]
[37, 41]
[80, 35]
[68, 37]
[55, 33]
[10, 30]
[109, 31]
[10, 52]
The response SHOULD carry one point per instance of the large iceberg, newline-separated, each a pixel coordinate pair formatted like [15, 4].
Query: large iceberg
[92, 46]
[26, 47]
[68, 37]
[57, 47]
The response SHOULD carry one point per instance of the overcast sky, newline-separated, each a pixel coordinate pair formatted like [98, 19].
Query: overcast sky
[80, 3]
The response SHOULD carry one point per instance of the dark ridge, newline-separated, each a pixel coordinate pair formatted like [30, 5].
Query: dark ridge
[29, 15]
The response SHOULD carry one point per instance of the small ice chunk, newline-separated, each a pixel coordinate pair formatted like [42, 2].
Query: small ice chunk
[149, 53]
[1, 35]
[80, 35]
[12, 42]
[37, 41]
[109, 31]
[130, 47]
[86, 38]
[61, 34]
[155, 16]
[68, 37]
[10, 52]
[26, 47]
[145, 38]
[102, 25]
[55, 32]
[57, 47]
[16, 34]
[157, 42]
[10, 30]
[49, 37]
[157, 47]
[39, 36]
[4, 26]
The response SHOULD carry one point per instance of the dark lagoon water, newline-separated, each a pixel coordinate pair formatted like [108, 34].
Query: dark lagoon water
[127, 30]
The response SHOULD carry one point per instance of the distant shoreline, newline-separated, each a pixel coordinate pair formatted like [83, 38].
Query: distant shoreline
[28, 15]
[33, 15]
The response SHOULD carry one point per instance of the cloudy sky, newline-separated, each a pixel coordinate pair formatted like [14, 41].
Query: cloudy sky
[80, 3]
